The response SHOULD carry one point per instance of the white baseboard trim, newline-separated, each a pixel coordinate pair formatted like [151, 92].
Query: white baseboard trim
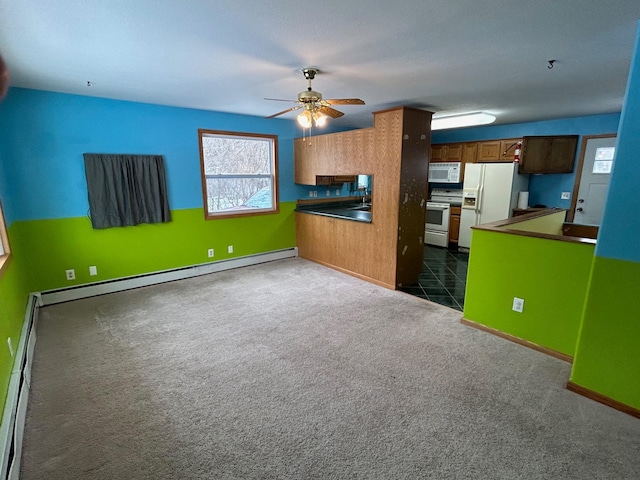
[50, 297]
[15, 407]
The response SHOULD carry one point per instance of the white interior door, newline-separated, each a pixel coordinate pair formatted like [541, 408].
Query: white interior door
[599, 154]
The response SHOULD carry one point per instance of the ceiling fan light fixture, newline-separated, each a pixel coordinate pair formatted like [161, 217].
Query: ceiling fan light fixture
[320, 119]
[462, 120]
[304, 119]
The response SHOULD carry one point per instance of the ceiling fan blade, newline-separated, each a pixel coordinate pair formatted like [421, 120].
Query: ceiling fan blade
[285, 111]
[345, 101]
[331, 112]
[281, 100]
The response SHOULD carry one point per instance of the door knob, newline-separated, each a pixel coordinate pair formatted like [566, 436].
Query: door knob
[579, 209]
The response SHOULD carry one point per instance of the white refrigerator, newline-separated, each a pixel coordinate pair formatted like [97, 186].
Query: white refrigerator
[489, 193]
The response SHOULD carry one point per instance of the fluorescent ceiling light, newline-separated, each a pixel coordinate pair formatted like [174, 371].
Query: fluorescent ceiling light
[462, 120]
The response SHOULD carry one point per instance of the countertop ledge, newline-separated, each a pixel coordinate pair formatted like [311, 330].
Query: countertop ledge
[346, 210]
[509, 226]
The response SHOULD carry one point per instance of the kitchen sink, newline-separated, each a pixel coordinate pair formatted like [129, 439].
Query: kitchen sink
[361, 208]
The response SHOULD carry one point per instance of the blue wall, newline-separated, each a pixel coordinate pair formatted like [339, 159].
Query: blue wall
[44, 134]
[620, 230]
[543, 189]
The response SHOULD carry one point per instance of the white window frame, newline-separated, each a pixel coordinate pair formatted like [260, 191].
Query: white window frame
[5, 250]
[272, 176]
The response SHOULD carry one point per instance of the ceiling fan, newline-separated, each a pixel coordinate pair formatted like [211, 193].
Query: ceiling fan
[315, 108]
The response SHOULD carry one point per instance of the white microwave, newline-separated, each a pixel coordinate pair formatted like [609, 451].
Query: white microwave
[444, 172]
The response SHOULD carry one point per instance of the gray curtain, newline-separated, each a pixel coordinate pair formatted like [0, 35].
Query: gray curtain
[126, 189]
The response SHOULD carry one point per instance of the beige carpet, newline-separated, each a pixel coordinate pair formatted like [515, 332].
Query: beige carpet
[289, 370]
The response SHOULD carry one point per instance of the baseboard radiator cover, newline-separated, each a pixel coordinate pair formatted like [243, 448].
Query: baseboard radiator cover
[50, 297]
[15, 408]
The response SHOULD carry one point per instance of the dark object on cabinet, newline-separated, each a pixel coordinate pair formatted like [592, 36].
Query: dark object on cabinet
[548, 154]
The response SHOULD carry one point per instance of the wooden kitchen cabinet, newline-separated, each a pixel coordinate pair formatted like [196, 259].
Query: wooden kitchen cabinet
[333, 158]
[469, 154]
[497, 150]
[446, 152]
[305, 160]
[454, 224]
[548, 154]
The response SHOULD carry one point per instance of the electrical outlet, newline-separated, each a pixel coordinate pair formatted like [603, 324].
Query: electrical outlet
[328, 193]
[315, 193]
[310, 193]
[230, 248]
[518, 304]
[210, 253]
[93, 270]
[565, 195]
[71, 274]
[337, 191]
[10, 345]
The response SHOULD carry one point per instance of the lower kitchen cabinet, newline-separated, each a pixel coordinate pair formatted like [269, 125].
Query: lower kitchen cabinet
[454, 224]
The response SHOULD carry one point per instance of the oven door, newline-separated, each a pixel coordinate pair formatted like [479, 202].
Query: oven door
[438, 216]
[436, 227]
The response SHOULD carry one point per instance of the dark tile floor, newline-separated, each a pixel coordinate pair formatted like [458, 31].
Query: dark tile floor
[444, 277]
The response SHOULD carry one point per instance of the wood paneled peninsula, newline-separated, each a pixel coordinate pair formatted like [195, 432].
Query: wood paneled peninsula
[388, 250]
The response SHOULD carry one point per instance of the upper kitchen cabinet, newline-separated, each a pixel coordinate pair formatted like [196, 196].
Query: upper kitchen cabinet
[469, 153]
[451, 152]
[548, 154]
[335, 157]
[305, 160]
[497, 150]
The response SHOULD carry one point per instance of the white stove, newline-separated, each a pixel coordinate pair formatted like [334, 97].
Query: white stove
[436, 227]
[452, 196]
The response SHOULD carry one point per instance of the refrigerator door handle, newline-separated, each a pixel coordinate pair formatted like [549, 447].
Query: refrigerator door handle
[479, 199]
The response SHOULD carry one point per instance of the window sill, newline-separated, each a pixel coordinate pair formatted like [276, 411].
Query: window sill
[4, 263]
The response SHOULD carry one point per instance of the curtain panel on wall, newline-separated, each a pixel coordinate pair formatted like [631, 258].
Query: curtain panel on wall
[126, 189]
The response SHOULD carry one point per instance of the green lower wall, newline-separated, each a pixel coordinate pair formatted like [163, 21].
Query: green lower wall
[14, 292]
[550, 275]
[607, 358]
[53, 246]
[43, 249]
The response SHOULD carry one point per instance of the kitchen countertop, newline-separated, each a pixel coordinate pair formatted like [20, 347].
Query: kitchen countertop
[347, 210]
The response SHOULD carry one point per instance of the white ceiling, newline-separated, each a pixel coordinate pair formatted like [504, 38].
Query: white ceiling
[447, 56]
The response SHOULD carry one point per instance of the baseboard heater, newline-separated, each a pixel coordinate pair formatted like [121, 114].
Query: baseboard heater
[49, 297]
[15, 408]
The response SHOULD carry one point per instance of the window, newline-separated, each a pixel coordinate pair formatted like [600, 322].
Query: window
[239, 173]
[4, 243]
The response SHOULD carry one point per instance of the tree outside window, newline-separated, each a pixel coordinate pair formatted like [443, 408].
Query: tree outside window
[239, 173]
